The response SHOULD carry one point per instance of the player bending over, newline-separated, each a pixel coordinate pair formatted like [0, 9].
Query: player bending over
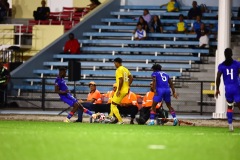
[124, 80]
[161, 86]
[230, 70]
[62, 90]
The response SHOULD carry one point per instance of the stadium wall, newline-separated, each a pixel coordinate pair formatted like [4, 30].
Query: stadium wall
[47, 53]
[25, 8]
[235, 3]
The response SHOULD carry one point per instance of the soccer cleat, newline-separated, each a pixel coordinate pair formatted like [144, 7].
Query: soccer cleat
[66, 120]
[151, 123]
[120, 123]
[231, 128]
[175, 122]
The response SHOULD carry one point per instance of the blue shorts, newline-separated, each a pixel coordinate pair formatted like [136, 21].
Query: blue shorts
[163, 94]
[232, 93]
[69, 99]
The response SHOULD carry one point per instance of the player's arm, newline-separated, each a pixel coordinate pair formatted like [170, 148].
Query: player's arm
[120, 84]
[57, 90]
[172, 88]
[154, 84]
[218, 81]
[130, 80]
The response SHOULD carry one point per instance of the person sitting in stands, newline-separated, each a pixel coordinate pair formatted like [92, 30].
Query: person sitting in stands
[197, 24]
[204, 40]
[42, 13]
[72, 46]
[201, 30]
[129, 105]
[181, 25]
[143, 23]
[156, 25]
[140, 34]
[194, 11]
[94, 4]
[94, 97]
[4, 9]
[172, 6]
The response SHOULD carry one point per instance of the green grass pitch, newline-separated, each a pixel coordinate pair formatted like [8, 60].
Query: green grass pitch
[28, 140]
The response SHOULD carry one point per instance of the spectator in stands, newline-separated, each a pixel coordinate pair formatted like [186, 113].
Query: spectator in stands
[4, 80]
[156, 25]
[146, 16]
[202, 29]
[4, 9]
[72, 46]
[181, 25]
[204, 40]
[94, 4]
[110, 94]
[197, 24]
[140, 34]
[194, 11]
[129, 105]
[172, 6]
[143, 23]
[146, 106]
[42, 13]
[94, 97]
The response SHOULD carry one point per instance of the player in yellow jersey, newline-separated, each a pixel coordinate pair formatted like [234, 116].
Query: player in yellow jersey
[124, 80]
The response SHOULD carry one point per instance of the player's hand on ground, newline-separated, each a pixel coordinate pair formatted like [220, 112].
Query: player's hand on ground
[217, 93]
[175, 95]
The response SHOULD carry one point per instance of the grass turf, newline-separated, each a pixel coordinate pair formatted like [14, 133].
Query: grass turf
[28, 140]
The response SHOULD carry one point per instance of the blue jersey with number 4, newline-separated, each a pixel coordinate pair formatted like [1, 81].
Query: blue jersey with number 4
[230, 73]
[161, 79]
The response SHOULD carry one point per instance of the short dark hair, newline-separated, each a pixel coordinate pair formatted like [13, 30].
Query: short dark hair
[180, 15]
[70, 34]
[119, 60]
[157, 67]
[228, 53]
[62, 69]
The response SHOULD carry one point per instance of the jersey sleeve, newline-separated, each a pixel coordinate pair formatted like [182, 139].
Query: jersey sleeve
[220, 68]
[119, 73]
[57, 82]
[153, 74]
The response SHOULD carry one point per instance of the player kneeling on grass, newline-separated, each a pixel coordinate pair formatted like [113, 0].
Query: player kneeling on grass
[230, 70]
[161, 86]
[62, 89]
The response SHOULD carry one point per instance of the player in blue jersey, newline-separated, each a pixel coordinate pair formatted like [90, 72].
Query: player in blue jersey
[62, 89]
[161, 85]
[230, 70]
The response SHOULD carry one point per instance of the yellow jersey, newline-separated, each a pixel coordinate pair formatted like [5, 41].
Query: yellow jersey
[171, 6]
[123, 72]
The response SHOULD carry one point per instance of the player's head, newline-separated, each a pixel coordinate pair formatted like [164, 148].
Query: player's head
[228, 56]
[139, 27]
[62, 72]
[43, 2]
[156, 67]
[114, 87]
[151, 86]
[117, 62]
[92, 85]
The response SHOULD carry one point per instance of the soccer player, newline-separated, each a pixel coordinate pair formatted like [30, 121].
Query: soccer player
[124, 80]
[65, 95]
[161, 85]
[230, 70]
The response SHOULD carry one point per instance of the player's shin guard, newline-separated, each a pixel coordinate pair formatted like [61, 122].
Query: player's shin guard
[70, 115]
[173, 114]
[116, 112]
[152, 115]
[230, 116]
[87, 111]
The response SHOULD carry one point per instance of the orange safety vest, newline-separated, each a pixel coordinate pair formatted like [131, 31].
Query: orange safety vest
[130, 98]
[109, 95]
[148, 99]
[96, 95]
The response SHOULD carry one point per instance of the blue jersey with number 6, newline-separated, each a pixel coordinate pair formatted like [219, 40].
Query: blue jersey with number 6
[230, 73]
[161, 79]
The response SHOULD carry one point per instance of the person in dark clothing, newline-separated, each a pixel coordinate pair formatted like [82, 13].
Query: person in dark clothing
[4, 80]
[202, 29]
[194, 11]
[42, 13]
[156, 25]
[4, 9]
